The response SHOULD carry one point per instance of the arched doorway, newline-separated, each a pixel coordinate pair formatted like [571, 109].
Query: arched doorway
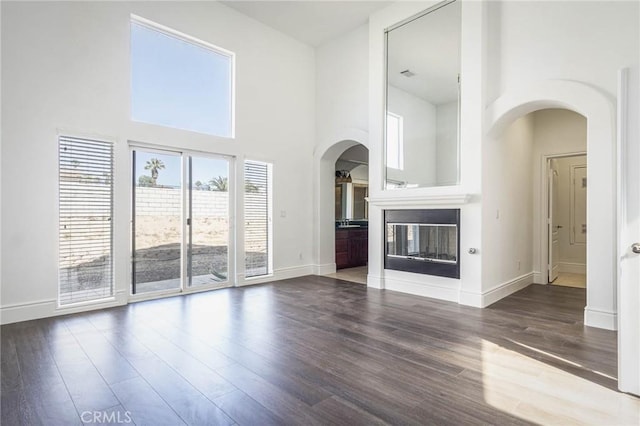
[601, 193]
[324, 218]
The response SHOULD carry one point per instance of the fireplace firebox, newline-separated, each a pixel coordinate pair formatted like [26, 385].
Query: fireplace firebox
[423, 241]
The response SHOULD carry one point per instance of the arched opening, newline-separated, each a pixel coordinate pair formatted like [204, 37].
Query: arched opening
[600, 310]
[534, 200]
[325, 220]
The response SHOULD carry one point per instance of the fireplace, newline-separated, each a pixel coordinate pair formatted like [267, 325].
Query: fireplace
[423, 241]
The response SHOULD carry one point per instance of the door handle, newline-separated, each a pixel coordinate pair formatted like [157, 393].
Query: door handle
[635, 248]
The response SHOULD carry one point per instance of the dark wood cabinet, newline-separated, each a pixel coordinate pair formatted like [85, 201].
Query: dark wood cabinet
[352, 247]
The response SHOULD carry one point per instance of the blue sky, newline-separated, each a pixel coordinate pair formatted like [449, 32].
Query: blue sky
[204, 169]
[179, 84]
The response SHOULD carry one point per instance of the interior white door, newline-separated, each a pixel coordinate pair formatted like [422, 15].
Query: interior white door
[552, 219]
[629, 231]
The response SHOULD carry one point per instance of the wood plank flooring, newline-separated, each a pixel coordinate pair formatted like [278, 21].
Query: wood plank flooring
[316, 351]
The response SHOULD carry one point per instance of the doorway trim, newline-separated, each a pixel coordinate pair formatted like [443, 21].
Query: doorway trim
[541, 276]
[600, 111]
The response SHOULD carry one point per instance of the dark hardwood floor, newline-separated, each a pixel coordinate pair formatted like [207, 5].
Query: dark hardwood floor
[316, 350]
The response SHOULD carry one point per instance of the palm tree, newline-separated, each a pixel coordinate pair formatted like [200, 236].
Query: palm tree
[219, 184]
[154, 165]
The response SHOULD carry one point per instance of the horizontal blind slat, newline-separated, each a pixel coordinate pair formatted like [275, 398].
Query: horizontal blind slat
[85, 228]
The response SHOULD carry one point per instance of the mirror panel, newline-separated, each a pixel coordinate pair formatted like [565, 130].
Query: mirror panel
[422, 95]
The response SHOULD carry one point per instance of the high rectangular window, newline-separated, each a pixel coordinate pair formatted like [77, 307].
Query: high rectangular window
[257, 216]
[178, 81]
[85, 226]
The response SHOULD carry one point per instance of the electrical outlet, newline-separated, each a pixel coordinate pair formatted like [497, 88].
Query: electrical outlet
[518, 265]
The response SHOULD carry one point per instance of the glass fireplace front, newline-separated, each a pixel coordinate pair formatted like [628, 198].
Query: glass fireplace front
[423, 241]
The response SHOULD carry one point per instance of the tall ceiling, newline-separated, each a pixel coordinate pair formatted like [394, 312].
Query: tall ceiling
[313, 22]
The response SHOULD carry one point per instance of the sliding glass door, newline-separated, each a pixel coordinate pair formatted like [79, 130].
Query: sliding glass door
[180, 226]
[208, 242]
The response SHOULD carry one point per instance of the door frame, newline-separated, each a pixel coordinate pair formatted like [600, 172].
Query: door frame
[543, 227]
[184, 155]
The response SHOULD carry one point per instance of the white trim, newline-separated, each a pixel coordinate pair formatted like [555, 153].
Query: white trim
[419, 200]
[375, 281]
[505, 289]
[421, 285]
[572, 268]
[540, 278]
[600, 319]
[49, 308]
[469, 298]
[324, 269]
[278, 274]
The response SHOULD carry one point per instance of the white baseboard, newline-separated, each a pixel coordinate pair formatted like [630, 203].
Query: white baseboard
[278, 274]
[540, 277]
[419, 288]
[600, 319]
[327, 268]
[509, 287]
[27, 311]
[49, 308]
[375, 281]
[572, 268]
[468, 298]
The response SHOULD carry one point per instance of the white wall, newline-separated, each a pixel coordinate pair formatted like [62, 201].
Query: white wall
[556, 132]
[342, 102]
[584, 41]
[342, 96]
[572, 256]
[66, 66]
[419, 138]
[507, 207]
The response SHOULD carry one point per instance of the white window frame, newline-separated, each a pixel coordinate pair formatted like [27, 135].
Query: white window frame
[195, 41]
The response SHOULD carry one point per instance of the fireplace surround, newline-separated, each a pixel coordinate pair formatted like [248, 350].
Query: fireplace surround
[423, 241]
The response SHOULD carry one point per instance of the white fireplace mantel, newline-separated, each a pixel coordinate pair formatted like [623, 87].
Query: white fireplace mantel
[419, 200]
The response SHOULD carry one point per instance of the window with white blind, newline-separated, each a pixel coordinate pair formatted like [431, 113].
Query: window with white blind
[257, 215]
[85, 226]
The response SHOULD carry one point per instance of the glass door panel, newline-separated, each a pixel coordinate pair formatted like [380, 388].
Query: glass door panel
[208, 238]
[157, 221]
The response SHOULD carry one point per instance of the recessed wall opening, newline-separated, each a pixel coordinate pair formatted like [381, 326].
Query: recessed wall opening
[352, 214]
[534, 196]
